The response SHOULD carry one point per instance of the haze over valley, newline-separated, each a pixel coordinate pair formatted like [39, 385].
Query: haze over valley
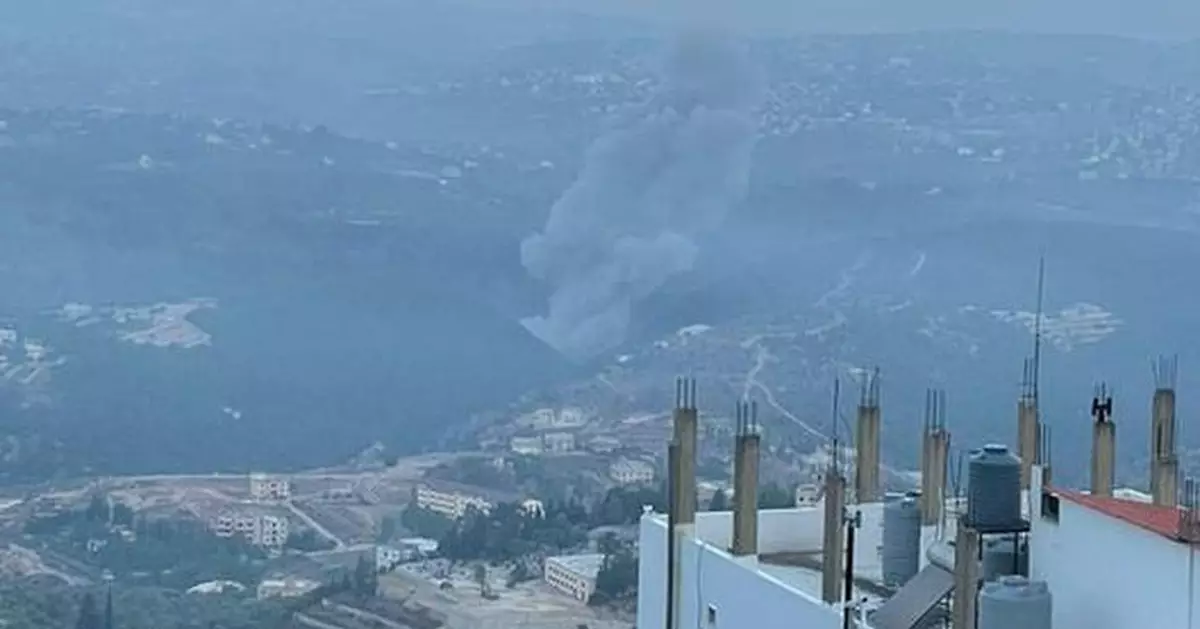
[468, 247]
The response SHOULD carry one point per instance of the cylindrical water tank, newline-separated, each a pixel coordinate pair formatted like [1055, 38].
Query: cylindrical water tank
[1014, 601]
[994, 489]
[1004, 556]
[901, 540]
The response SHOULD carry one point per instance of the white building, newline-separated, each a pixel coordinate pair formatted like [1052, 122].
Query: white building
[285, 588]
[807, 495]
[530, 446]
[558, 442]
[1109, 563]
[452, 504]
[574, 575]
[264, 487]
[216, 587]
[631, 472]
[571, 416]
[533, 508]
[268, 531]
[388, 557]
[272, 531]
[778, 588]
[1114, 563]
[418, 546]
[604, 444]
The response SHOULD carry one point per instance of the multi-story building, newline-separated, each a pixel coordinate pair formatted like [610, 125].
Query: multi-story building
[266, 530]
[272, 531]
[558, 442]
[526, 445]
[631, 472]
[451, 503]
[604, 444]
[574, 575]
[388, 557]
[288, 587]
[231, 524]
[571, 416]
[264, 487]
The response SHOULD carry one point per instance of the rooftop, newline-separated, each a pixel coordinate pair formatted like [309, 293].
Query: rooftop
[1155, 518]
[587, 564]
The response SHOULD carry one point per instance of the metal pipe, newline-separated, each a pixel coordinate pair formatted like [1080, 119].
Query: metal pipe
[672, 508]
[851, 525]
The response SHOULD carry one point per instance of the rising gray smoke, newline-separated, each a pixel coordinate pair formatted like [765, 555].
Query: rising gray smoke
[647, 191]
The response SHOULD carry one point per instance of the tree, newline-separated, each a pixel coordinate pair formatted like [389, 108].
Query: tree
[719, 501]
[97, 509]
[617, 578]
[366, 579]
[387, 529]
[773, 496]
[89, 615]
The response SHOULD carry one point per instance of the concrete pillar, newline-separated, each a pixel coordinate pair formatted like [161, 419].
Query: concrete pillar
[867, 454]
[1027, 437]
[745, 497]
[1167, 487]
[686, 424]
[926, 478]
[933, 492]
[1162, 440]
[1104, 446]
[966, 578]
[833, 541]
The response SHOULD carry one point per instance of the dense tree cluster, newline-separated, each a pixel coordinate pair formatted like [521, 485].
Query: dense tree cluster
[508, 532]
[617, 579]
[307, 541]
[770, 496]
[424, 522]
[171, 553]
[46, 603]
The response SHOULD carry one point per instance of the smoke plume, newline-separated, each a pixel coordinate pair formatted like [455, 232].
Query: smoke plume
[648, 190]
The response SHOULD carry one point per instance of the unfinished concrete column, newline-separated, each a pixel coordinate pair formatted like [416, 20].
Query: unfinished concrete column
[867, 445]
[1162, 432]
[686, 425]
[1104, 444]
[1168, 482]
[745, 482]
[833, 539]
[966, 577]
[1027, 424]
[935, 452]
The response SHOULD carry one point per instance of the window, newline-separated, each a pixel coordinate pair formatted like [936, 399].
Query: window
[712, 616]
[1050, 507]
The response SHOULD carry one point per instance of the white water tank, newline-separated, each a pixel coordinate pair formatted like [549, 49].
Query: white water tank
[1015, 602]
[901, 540]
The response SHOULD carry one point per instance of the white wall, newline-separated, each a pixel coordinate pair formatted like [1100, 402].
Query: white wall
[1105, 573]
[742, 596]
[779, 530]
[801, 530]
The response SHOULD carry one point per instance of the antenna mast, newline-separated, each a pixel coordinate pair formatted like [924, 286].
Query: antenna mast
[1037, 333]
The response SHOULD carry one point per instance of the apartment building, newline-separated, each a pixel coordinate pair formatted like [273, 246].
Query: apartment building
[574, 575]
[558, 442]
[450, 503]
[631, 472]
[268, 531]
[264, 487]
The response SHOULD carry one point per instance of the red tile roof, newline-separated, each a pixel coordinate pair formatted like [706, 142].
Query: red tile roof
[1155, 518]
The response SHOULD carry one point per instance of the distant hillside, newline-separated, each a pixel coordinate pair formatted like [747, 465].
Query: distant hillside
[183, 294]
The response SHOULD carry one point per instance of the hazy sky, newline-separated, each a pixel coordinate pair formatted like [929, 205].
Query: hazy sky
[1174, 19]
